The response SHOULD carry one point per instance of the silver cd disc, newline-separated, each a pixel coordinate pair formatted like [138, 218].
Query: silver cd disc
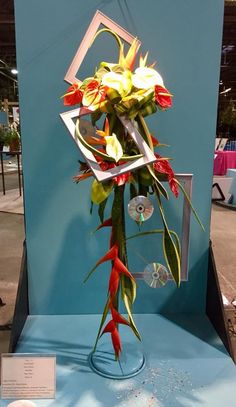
[155, 275]
[140, 208]
[86, 129]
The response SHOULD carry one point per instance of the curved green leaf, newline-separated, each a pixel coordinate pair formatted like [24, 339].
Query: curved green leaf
[104, 315]
[100, 153]
[151, 232]
[101, 209]
[169, 248]
[127, 296]
[159, 185]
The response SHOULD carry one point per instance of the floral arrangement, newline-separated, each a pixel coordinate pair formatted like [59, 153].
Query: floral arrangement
[115, 91]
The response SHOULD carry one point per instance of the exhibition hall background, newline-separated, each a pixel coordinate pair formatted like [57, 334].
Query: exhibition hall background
[60, 246]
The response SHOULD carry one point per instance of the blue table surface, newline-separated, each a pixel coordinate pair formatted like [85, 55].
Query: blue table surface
[187, 364]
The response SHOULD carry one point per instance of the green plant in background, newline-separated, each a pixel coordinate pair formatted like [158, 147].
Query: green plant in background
[227, 119]
[10, 136]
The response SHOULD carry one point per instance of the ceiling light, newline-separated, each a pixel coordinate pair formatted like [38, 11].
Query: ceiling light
[14, 71]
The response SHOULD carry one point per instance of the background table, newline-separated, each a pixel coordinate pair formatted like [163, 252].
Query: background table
[223, 161]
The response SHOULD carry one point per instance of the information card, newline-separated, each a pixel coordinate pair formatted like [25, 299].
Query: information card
[28, 376]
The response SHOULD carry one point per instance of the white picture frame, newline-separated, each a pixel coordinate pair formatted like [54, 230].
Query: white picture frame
[101, 175]
[98, 19]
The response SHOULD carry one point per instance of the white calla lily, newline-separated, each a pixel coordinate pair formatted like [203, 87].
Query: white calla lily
[146, 78]
[120, 82]
[113, 147]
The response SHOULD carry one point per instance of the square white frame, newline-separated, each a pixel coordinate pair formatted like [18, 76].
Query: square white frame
[147, 158]
[99, 18]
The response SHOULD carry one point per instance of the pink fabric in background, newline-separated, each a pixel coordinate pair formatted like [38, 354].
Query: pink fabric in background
[223, 161]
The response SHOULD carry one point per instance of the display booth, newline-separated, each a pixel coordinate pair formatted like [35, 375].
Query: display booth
[186, 362]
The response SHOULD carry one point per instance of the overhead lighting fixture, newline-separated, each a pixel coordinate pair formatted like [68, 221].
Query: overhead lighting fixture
[225, 91]
[14, 71]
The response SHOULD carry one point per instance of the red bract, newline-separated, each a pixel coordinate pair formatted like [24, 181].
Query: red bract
[163, 97]
[117, 269]
[117, 317]
[110, 255]
[115, 337]
[111, 328]
[107, 222]
[73, 96]
[163, 167]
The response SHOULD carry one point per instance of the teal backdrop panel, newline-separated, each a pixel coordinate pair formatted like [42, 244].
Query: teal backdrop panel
[184, 37]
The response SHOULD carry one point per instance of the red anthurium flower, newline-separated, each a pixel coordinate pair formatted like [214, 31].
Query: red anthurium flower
[94, 94]
[119, 179]
[155, 142]
[73, 96]
[122, 178]
[163, 167]
[162, 97]
[174, 187]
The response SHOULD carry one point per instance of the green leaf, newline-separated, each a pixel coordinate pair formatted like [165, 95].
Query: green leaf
[145, 177]
[170, 250]
[159, 185]
[95, 116]
[126, 293]
[130, 288]
[101, 209]
[190, 203]
[100, 191]
[104, 315]
[171, 256]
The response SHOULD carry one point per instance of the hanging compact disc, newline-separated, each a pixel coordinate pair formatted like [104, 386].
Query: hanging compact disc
[86, 129]
[155, 275]
[140, 208]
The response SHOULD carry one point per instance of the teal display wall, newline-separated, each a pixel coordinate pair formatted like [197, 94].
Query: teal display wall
[184, 37]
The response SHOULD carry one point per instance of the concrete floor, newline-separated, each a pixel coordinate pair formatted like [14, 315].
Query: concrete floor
[11, 240]
[223, 235]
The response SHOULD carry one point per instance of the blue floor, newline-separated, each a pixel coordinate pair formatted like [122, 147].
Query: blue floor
[186, 363]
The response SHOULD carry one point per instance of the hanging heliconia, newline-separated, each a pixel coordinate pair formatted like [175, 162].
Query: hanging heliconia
[117, 94]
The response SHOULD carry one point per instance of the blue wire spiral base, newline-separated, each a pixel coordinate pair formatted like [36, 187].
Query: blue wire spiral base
[130, 363]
